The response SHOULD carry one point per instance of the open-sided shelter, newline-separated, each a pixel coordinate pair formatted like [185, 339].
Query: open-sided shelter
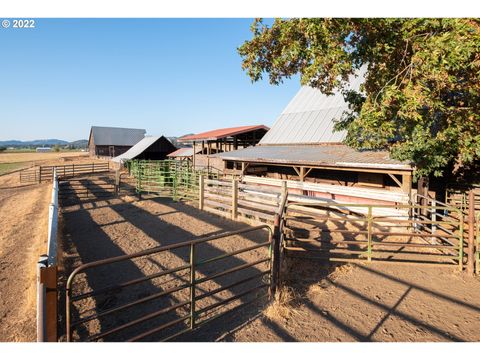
[222, 140]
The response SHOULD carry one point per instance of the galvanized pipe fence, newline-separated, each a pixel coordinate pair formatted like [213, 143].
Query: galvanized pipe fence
[188, 306]
[47, 303]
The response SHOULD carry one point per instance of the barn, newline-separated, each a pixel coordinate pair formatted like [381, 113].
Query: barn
[112, 141]
[303, 149]
[149, 148]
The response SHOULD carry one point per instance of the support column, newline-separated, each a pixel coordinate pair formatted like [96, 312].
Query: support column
[471, 234]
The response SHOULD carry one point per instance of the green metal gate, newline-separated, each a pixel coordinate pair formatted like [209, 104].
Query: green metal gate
[172, 178]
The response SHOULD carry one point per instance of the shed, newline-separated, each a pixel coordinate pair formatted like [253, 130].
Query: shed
[303, 146]
[149, 148]
[112, 141]
[185, 153]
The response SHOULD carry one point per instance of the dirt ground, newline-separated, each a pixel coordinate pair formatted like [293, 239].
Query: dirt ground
[363, 302]
[101, 229]
[374, 302]
[23, 235]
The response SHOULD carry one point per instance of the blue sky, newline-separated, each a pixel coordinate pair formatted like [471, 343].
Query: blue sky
[169, 76]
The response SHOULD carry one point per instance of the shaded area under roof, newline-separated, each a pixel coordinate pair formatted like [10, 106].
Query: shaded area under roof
[222, 133]
[309, 117]
[115, 136]
[139, 148]
[332, 155]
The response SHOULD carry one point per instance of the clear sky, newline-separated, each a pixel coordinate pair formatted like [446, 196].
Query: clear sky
[169, 76]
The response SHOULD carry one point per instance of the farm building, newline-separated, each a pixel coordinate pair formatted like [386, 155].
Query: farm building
[185, 153]
[303, 149]
[43, 149]
[149, 148]
[222, 140]
[112, 141]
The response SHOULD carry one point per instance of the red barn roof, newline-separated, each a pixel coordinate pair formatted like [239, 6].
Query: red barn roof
[223, 133]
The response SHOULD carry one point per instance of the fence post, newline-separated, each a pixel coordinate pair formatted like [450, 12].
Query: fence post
[41, 303]
[192, 286]
[234, 199]
[369, 231]
[40, 175]
[434, 220]
[117, 182]
[460, 244]
[275, 267]
[201, 191]
[471, 234]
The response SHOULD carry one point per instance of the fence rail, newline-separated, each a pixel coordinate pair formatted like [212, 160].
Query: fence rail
[45, 173]
[333, 232]
[47, 274]
[188, 310]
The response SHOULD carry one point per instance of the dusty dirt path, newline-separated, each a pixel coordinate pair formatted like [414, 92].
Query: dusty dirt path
[373, 302]
[23, 218]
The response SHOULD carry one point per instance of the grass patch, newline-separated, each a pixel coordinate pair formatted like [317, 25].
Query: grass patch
[5, 168]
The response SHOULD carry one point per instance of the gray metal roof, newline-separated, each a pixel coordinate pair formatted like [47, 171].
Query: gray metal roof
[336, 155]
[137, 149]
[309, 117]
[116, 136]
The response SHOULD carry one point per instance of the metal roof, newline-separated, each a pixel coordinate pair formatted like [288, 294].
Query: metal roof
[335, 155]
[223, 133]
[116, 136]
[309, 117]
[137, 149]
[182, 152]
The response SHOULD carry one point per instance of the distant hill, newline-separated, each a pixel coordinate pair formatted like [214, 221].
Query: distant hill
[80, 144]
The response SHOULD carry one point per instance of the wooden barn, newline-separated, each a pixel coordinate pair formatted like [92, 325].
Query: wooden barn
[302, 148]
[112, 141]
[149, 148]
[222, 140]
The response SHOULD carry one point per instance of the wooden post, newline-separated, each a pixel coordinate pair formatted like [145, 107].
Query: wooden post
[275, 257]
[40, 175]
[117, 182]
[369, 232]
[234, 199]
[471, 234]
[434, 219]
[201, 192]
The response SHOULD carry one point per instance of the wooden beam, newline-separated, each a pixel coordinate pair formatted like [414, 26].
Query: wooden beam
[407, 183]
[245, 166]
[297, 171]
[394, 178]
[308, 172]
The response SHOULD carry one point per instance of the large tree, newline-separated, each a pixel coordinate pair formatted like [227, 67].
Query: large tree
[421, 95]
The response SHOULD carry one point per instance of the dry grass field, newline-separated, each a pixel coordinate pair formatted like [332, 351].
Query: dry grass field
[33, 157]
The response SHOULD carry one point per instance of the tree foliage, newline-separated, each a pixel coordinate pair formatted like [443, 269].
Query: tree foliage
[420, 98]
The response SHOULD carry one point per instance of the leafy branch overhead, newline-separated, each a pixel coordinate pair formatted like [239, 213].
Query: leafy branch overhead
[421, 95]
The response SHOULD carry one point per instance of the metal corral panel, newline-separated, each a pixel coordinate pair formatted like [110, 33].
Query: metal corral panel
[116, 136]
[309, 117]
[316, 155]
